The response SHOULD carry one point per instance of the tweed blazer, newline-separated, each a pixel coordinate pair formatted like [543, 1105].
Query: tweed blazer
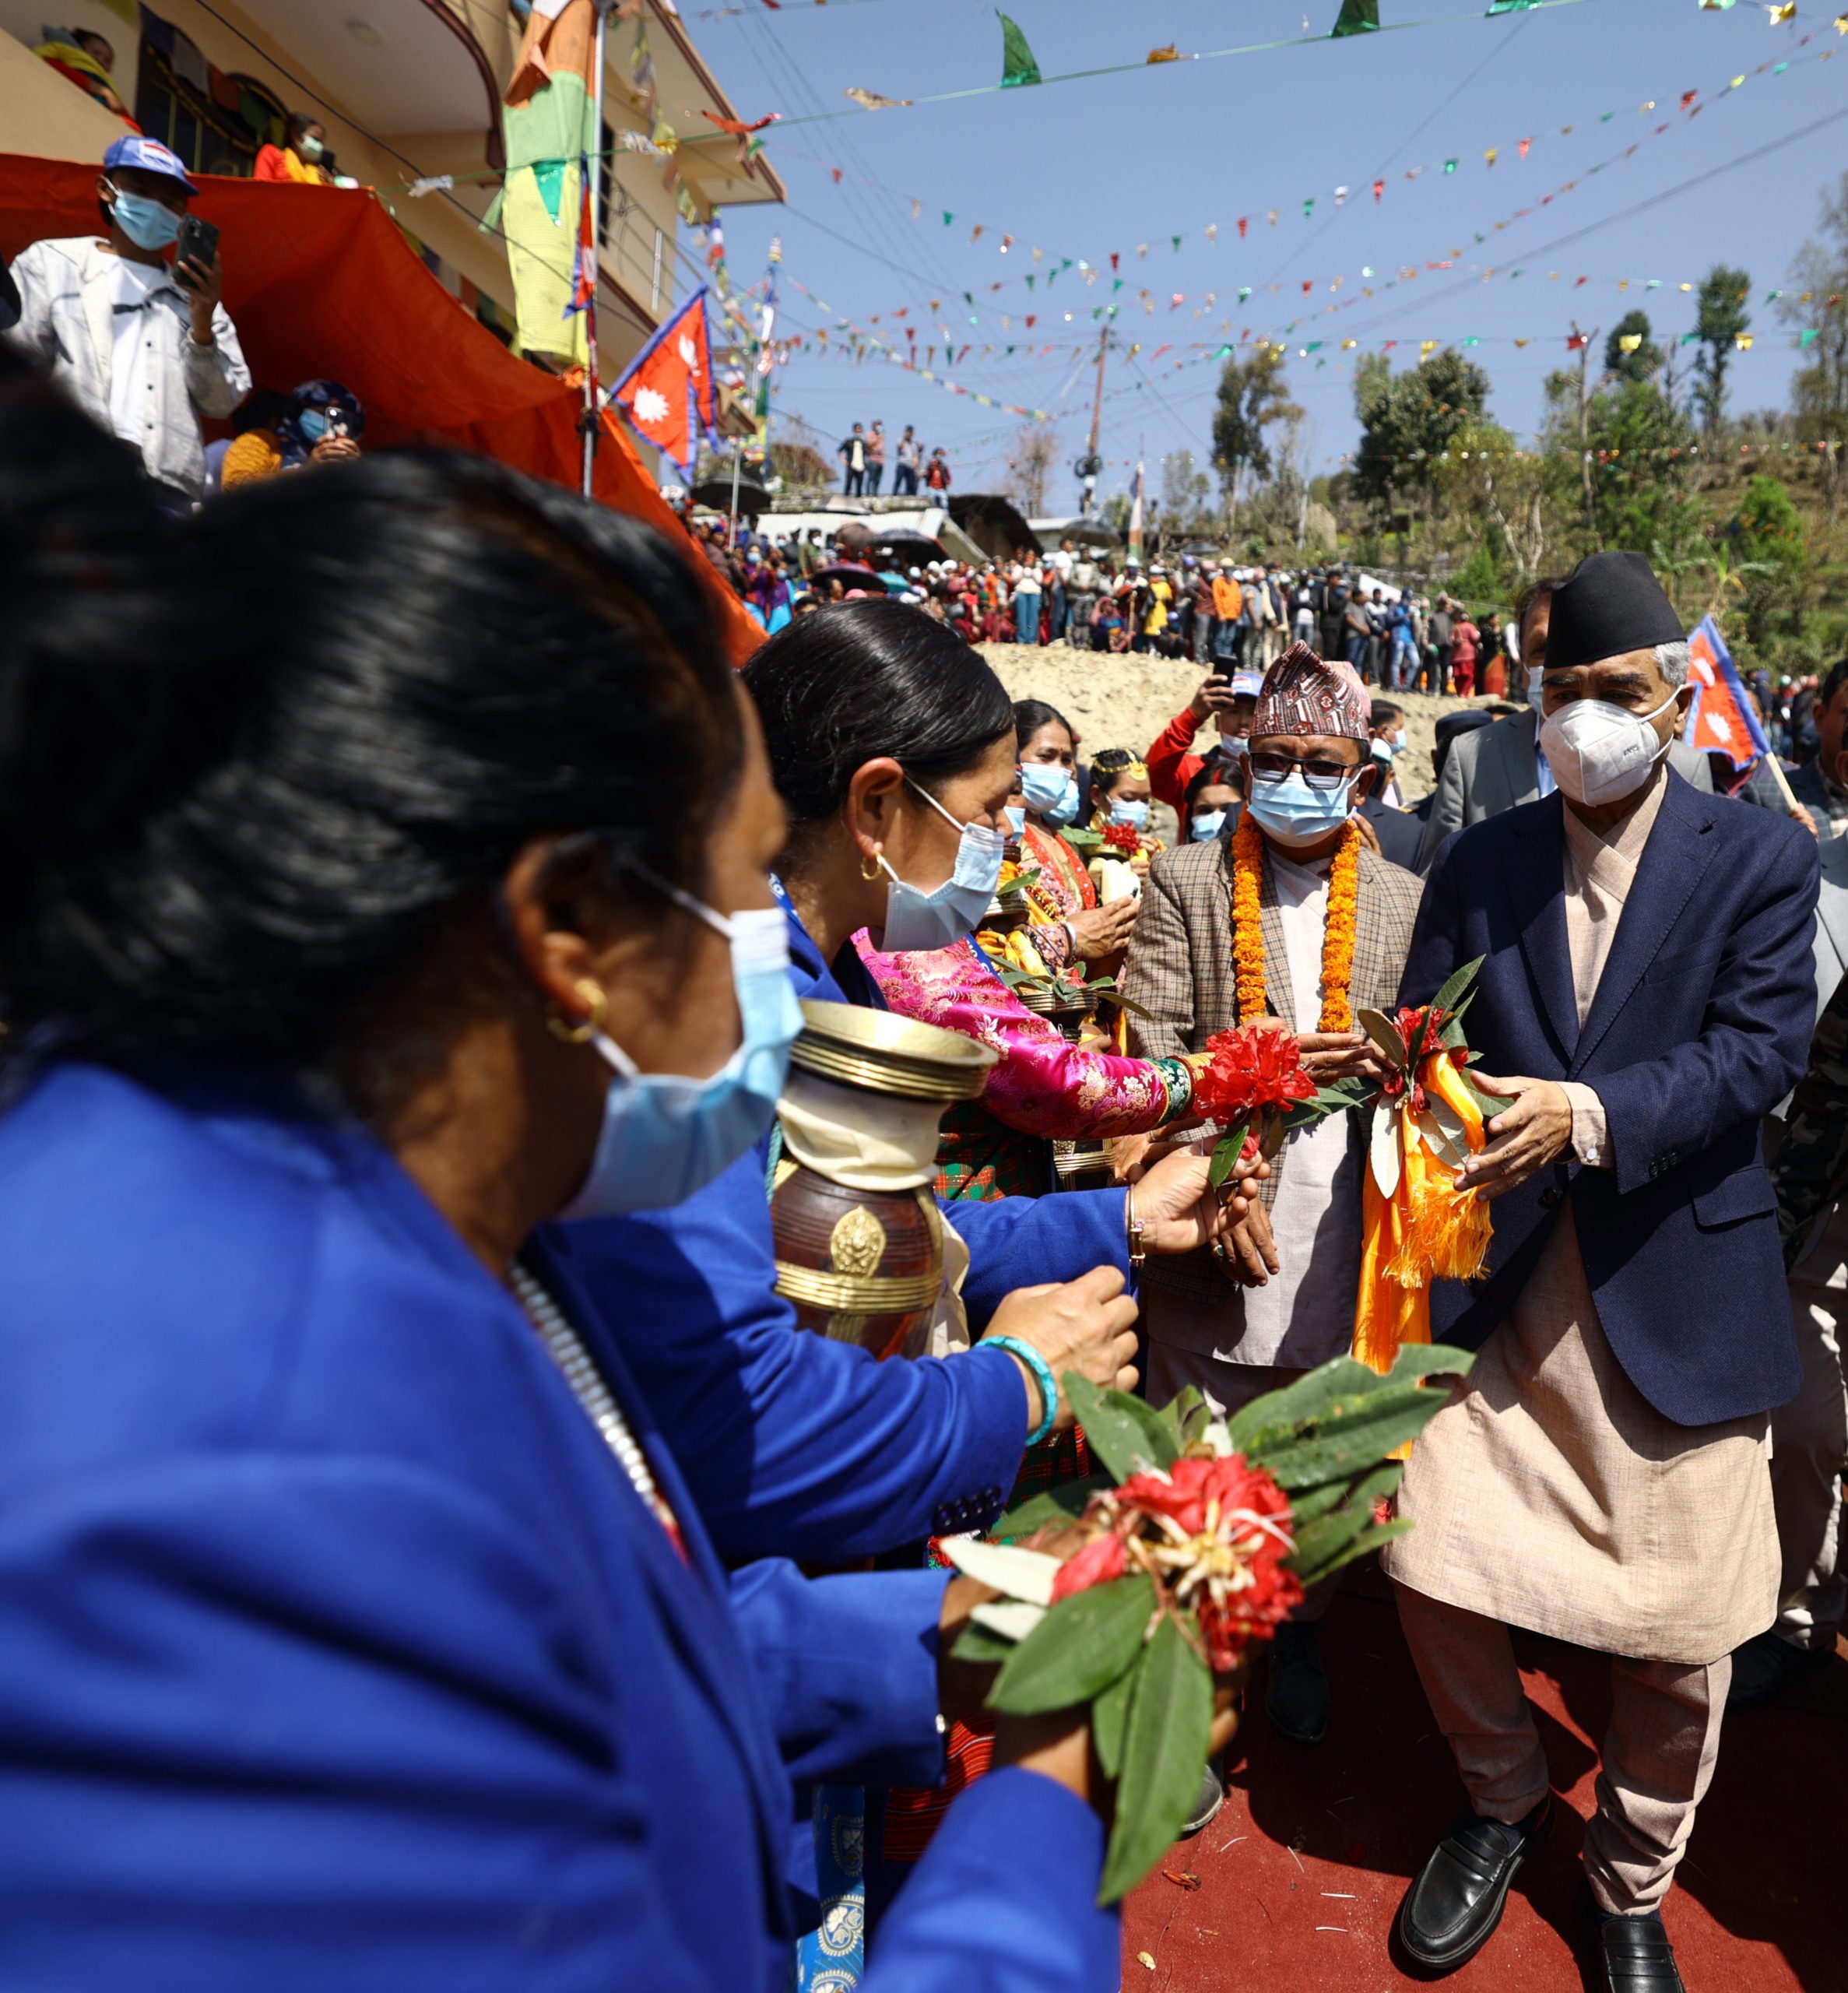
[1180, 970]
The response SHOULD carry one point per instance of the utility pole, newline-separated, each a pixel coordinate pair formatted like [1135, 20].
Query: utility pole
[1091, 463]
[589, 420]
[1585, 340]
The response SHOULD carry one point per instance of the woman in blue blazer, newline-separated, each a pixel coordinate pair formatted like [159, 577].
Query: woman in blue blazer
[355, 1628]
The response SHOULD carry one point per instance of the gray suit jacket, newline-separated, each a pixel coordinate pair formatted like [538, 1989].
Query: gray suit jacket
[1493, 768]
[1832, 920]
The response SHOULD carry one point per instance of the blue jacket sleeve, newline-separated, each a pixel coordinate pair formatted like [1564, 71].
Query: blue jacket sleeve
[301, 1722]
[1753, 1042]
[1005, 1899]
[1021, 1242]
[846, 1669]
[794, 1445]
[1435, 950]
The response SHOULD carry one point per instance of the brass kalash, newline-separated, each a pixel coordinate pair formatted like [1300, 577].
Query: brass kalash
[861, 1250]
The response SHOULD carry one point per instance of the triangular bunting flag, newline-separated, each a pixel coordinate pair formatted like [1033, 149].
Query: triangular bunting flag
[1017, 65]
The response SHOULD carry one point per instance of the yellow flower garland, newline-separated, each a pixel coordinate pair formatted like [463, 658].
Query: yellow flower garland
[1338, 940]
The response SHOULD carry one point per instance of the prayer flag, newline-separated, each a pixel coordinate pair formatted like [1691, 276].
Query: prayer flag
[1017, 65]
[1722, 720]
[1356, 17]
[666, 391]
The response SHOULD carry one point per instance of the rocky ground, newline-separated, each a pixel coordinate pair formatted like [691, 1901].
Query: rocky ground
[1125, 701]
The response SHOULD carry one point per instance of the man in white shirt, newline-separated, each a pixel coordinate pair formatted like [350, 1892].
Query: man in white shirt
[144, 347]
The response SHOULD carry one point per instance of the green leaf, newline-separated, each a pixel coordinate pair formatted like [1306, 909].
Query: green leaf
[1330, 1538]
[1357, 1432]
[981, 1644]
[1417, 1360]
[1451, 994]
[1080, 1647]
[1164, 1746]
[1191, 1414]
[1109, 1715]
[1124, 1431]
[1225, 1155]
[1054, 1505]
[1122, 1003]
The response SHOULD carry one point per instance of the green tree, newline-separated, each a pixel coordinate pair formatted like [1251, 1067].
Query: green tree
[1408, 420]
[1721, 317]
[1771, 558]
[1644, 360]
[1819, 390]
[1185, 491]
[1640, 445]
[1253, 398]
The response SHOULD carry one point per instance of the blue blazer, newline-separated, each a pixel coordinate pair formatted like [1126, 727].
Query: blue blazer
[796, 1445]
[1701, 1024]
[336, 1651]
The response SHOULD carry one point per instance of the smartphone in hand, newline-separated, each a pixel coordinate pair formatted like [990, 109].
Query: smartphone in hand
[198, 243]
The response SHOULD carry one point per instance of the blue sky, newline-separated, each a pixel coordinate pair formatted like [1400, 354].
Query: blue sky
[1080, 170]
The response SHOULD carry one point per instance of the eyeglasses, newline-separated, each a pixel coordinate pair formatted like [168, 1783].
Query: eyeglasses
[1318, 774]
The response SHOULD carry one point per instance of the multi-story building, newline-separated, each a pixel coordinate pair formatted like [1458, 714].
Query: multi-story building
[409, 91]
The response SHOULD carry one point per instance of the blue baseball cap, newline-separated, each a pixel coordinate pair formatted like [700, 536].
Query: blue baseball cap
[1248, 683]
[148, 155]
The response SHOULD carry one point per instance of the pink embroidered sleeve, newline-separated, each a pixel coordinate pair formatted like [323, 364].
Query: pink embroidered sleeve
[1043, 1085]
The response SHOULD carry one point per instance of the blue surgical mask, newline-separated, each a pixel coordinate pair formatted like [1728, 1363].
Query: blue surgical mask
[1384, 751]
[1017, 819]
[312, 423]
[1051, 791]
[1537, 690]
[1206, 826]
[146, 223]
[1135, 814]
[665, 1136]
[941, 918]
[1293, 814]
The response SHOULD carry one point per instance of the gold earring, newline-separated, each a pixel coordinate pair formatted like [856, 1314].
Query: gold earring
[591, 995]
[870, 867]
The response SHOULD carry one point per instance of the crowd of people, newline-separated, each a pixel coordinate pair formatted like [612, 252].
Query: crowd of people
[433, 1549]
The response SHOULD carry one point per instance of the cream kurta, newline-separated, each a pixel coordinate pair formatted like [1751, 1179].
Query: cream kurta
[1552, 1494]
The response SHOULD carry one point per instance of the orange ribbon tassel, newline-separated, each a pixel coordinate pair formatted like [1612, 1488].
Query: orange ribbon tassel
[1427, 1230]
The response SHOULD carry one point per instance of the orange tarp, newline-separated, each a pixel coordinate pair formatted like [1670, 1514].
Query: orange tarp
[319, 281]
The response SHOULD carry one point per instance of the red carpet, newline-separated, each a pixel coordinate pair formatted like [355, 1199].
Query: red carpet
[1301, 1874]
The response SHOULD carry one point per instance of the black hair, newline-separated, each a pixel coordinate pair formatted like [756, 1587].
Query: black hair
[1384, 709]
[300, 123]
[1106, 764]
[251, 766]
[853, 681]
[1030, 715]
[1826, 691]
[1218, 769]
[1529, 598]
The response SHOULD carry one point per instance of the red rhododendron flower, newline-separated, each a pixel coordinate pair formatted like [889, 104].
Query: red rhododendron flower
[1101, 1560]
[1124, 837]
[1434, 1021]
[1256, 1067]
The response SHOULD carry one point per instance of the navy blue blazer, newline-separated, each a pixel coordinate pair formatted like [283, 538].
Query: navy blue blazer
[796, 1445]
[336, 1651]
[1701, 1024]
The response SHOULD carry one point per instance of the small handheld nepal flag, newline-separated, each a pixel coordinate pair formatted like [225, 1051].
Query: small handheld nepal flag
[1722, 721]
[667, 392]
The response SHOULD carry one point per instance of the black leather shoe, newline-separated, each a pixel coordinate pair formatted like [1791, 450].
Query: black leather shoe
[1637, 1955]
[1765, 1668]
[1452, 1909]
[1211, 1798]
[1296, 1692]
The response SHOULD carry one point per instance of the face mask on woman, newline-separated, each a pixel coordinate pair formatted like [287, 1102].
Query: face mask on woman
[1017, 818]
[946, 916]
[311, 149]
[1051, 791]
[665, 1136]
[1135, 814]
[1206, 826]
[1294, 813]
[146, 223]
[312, 423]
[1599, 753]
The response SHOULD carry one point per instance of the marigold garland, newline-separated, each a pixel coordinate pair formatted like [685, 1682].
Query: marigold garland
[1338, 933]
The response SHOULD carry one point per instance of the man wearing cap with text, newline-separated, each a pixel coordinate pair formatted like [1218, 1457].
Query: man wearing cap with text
[144, 348]
[1645, 999]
